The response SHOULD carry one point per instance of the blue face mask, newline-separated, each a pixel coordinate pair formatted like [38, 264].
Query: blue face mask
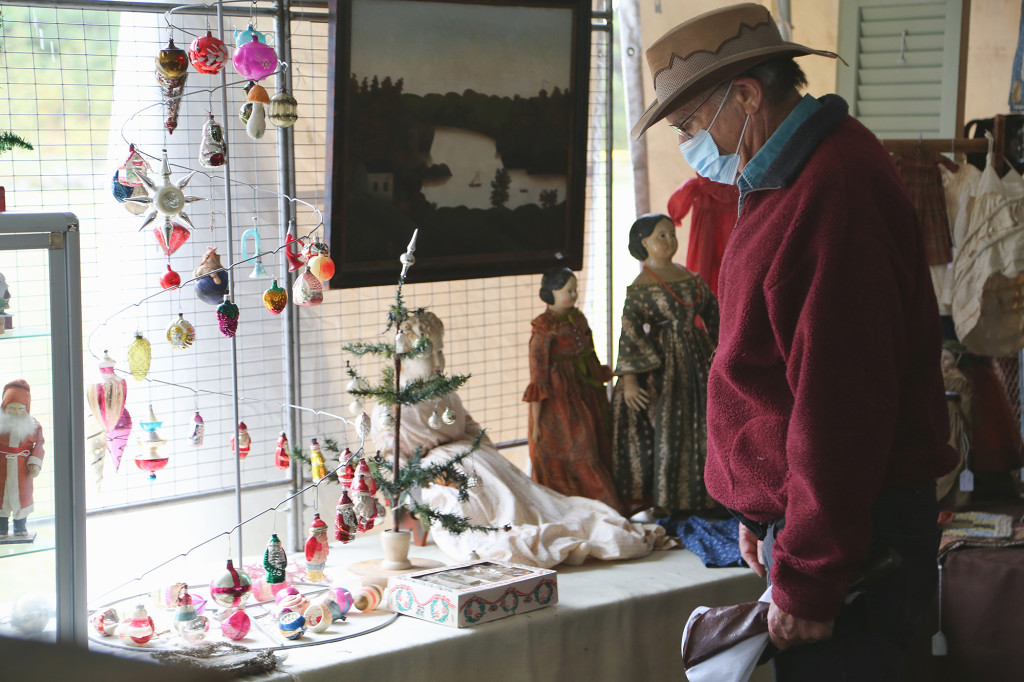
[702, 154]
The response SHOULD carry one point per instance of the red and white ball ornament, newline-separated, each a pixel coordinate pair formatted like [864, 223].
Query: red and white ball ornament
[232, 588]
[208, 53]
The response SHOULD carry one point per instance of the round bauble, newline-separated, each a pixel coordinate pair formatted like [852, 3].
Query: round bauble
[231, 588]
[208, 53]
[105, 621]
[236, 626]
[292, 625]
[318, 617]
[31, 614]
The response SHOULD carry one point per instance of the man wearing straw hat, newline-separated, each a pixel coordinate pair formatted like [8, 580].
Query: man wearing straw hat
[826, 416]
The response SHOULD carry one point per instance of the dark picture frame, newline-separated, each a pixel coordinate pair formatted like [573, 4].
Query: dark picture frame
[465, 119]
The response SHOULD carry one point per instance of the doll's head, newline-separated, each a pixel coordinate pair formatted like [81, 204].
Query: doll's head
[552, 281]
[424, 324]
[641, 230]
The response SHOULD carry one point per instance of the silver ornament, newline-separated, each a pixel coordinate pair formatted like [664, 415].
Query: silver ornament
[363, 425]
[355, 407]
[448, 416]
[402, 344]
[434, 422]
[387, 420]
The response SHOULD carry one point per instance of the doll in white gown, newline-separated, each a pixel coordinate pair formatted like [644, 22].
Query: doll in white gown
[547, 528]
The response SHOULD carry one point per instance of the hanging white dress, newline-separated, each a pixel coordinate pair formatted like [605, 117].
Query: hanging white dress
[547, 528]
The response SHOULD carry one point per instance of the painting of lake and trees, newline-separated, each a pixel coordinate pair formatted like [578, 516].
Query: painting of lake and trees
[465, 120]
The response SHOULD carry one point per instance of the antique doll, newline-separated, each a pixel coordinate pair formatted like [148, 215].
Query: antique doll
[669, 332]
[546, 527]
[21, 451]
[569, 433]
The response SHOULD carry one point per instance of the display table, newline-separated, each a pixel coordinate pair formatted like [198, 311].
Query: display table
[615, 621]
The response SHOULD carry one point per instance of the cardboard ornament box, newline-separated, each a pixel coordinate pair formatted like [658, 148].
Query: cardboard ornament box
[472, 593]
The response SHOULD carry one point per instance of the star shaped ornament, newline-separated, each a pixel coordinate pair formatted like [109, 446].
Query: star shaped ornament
[166, 200]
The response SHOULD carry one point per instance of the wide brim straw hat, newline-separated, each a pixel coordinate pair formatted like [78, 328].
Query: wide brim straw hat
[710, 49]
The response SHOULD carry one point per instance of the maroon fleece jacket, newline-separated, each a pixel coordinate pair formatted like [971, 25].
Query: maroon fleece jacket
[826, 386]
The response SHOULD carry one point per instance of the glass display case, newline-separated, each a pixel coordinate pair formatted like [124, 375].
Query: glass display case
[42, 462]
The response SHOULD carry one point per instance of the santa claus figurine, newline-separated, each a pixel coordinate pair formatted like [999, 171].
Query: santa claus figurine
[317, 549]
[21, 445]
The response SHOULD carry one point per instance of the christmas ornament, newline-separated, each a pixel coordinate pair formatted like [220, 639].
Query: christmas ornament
[105, 622]
[254, 60]
[124, 192]
[227, 318]
[138, 629]
[317, 549]
[242, 37]
[366, 507]
[213, 149]
[387, 420]
[172, 61]
[212, 285]
[402, 342]
[171, 89]
[307, 290]
[261, 591]
[135, 165]
[208, 53]
[170, 279]
[117, 439]
[194, 631]
[363, 472]
[168, 596]
[281, 457]
[150, 460]
[275, 561]
[318, 261]
[407, 259]
[231, 589]
[363, 426]
[316, 461]
[245, 112]
[283, 110]
[140, 354]
[275, 298]
[256, 125]
[339, 601]
[166, 199]
[348, 474]
[318, 617]
[107, 396]
[367, 598]
[345, 522]
[294, 603]
[434, 422]
[448, 417]
[295, 259]
[181, 334]
[285, 590]
[236, 626]
[357, 384]
[30, 614]
[196, 438]
[244, 441]
[292, 625]
[258, 272]
[178, 235]
[186, 612]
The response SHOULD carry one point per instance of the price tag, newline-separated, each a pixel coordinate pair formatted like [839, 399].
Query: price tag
[966, 480]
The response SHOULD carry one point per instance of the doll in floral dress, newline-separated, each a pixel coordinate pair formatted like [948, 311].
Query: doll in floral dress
[570, 434]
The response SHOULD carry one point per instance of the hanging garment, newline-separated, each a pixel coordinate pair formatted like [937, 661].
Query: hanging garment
[988, 272]
[959, 187]
[714, 207]
[920, 172]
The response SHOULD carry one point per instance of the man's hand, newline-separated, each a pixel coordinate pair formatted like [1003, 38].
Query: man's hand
[750, 550]
[787, 630]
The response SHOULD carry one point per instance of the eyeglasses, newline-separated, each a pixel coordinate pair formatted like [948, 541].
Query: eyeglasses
[679, 129]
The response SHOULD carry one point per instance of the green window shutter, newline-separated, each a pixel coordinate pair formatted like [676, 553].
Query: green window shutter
[903, 77]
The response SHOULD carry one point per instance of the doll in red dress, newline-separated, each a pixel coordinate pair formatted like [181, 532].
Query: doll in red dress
[21, 456]
[570, 434]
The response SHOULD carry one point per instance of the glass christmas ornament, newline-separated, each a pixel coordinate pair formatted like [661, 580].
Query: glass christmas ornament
[231, 588]
[387, 420]
[242, 37]
[295, 259]
[281, 457]
[170, 279]
[173, 239]
[258, 272]
[194, 631]
[227, 318]
[254, 60]
[212, 285]
[448, 417]
[167, 199]
[213, 149]
[196, 437]
[275, 298]
[105, 622]
[30, 614]
[407, 259]
[236, 626]
[140, 354]
[138, 629]
[292, 625]
[181, 334]
[185, 612]
[434, 422]
[256, 126]
[318, 617]
[363, 472]
[244, 441]
[150, 459]
[363, 426]
[117, 438]
[284, 591]
[317, 549]
[244, 112]
[294, 602]
[107, 396]
[348, 473]
[316, 460]
[322, 267]
[135, 165]
[283, 109]
[208, 53]
[171, 90]
[367, 598]
[172, 61]
[402, 342]
[307, 290]
[345, 522]
[275, 561]
[133, 207]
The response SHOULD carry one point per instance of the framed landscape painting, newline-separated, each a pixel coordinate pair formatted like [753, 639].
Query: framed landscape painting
[465, 120]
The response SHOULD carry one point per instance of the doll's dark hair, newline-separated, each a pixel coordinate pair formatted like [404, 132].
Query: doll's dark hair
[553, 280]
[642, 229]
